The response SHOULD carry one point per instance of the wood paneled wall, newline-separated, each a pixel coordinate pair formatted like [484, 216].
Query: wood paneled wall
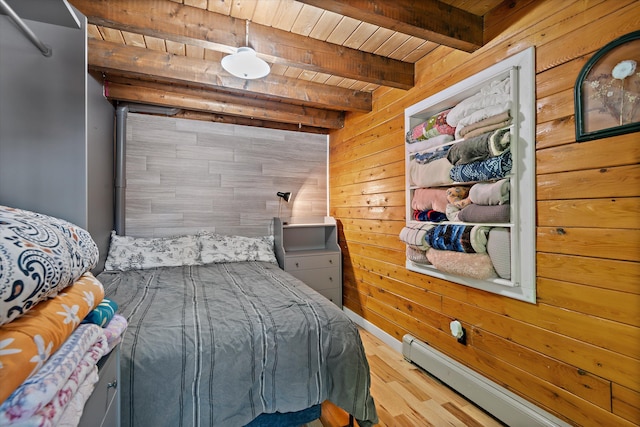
[576, 352]
[187, 175]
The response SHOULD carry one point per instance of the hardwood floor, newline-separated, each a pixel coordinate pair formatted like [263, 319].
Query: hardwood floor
[405, 395]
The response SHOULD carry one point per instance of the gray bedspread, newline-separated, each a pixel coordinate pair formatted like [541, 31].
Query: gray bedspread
[219, 344]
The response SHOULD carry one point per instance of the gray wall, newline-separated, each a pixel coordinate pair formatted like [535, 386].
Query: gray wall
[184, 175]
[100, 153]
[44, 155]
[42, 121]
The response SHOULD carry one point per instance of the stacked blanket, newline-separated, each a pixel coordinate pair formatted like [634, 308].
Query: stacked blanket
[52, 313]
[494, 99]
[461, 171]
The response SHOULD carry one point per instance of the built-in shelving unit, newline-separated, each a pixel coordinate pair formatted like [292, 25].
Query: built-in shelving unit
[519, 71]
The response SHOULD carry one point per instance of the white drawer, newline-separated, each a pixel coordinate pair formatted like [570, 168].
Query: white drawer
[319, 278]
[293, 263]
[334, 295]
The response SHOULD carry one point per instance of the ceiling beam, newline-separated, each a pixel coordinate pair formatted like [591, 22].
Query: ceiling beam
[148, 64]
[198, 27]
[220, 103]
[431, 20]
[244, 121]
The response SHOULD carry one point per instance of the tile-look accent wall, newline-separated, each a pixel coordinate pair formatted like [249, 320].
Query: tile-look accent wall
[184, 175]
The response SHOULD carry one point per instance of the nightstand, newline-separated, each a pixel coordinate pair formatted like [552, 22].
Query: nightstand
[310, 252]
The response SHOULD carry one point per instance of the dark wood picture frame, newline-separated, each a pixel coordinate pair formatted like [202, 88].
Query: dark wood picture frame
[607, 91]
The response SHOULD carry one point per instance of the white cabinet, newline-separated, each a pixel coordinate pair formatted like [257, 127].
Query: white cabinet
[516, 226]
[310, 252]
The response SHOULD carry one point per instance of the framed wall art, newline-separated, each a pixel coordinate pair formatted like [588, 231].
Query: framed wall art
[607, 91]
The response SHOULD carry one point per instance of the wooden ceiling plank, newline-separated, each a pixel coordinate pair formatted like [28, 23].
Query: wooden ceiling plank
[407, 48]
[199, 27]
[263, 13]
[343, 31]
[107, 57]
[112, 35]
[221, 103]
[426, 19]
[219, 6]
[242, 9]
[287, 14]
[306, 20]
[176, 48]
[155, 43]
[133, 39]
[325, 25]
[94, 32]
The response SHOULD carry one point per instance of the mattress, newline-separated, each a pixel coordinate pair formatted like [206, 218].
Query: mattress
[220, 344]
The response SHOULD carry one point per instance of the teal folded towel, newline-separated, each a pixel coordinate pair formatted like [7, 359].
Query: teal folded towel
[102, 314]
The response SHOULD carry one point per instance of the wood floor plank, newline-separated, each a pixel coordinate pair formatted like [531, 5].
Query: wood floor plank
[405, 395]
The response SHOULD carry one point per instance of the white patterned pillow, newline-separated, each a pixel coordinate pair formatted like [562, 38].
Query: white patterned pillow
[215, 248]
[39, 256]
[139, 253]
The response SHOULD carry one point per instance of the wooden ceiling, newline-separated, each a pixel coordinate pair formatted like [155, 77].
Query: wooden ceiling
[326, 56]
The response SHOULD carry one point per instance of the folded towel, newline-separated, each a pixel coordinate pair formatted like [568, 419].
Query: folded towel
[485, 214]
[477, 266]
[114, 330]
[429, 215]
[494, 93]
[102, 314]
[75, 408]
[414, 236]
[458, 196]
[498, 119]
[429, 144]
[452, 213]
[480, 147]
[490, 193]
[417, 255]
[433, 126]
[499, 250]
[433, 174]
[485, 170]
[482, 114]
[429, 198]
[430, 156]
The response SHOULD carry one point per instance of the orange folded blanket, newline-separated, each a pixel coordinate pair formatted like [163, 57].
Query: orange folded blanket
[29, 341]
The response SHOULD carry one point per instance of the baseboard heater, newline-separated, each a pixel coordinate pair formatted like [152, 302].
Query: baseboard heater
[506, 406]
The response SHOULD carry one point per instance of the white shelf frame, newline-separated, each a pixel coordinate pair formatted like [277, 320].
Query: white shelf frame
[521, 69]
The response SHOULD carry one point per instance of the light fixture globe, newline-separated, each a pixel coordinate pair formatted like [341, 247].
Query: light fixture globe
[245, 64]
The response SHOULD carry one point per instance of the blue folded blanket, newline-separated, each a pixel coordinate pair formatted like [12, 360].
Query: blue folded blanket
[485, 170]
[458, 238]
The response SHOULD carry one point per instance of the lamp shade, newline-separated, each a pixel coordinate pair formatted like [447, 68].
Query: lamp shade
[286, 196]
[245, 64]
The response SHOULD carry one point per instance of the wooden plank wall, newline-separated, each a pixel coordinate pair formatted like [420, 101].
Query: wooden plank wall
[576, 352]
[188, 175]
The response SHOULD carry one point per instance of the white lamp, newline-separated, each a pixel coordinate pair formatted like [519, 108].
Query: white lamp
[245, 64]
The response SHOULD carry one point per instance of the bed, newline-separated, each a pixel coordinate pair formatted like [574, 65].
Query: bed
[219, 335]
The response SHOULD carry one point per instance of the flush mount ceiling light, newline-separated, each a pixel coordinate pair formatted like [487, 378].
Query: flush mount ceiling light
[245, 64]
